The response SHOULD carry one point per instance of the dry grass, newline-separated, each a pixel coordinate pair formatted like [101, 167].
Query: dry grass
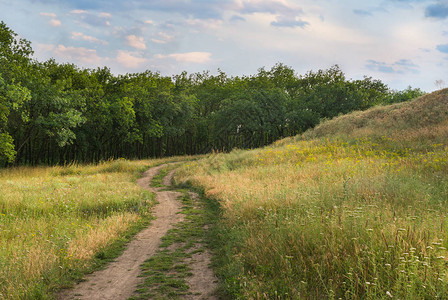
[355, 209]
[407, 118]
[54, 220]
[85, 244]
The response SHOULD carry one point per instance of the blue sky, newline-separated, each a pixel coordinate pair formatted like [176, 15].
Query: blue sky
[401, 42]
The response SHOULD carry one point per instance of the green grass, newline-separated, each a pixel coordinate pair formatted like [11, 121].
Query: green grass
[165, 274]
[356, 209]
[157, 181]
[56, 223]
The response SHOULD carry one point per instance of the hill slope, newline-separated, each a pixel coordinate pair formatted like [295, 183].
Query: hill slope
[354, 209]
[423, 118]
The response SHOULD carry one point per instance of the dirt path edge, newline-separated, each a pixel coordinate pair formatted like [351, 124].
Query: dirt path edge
[120, 279]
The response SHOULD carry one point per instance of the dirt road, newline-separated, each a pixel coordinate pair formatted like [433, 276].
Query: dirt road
[120, 279]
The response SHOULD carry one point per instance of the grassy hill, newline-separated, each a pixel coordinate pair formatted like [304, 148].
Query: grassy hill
[354, 209]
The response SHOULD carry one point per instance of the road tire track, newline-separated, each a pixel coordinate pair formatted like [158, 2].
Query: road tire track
[120, 279]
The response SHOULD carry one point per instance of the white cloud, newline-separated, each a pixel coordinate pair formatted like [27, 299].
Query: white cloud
[46, 14]
[45, 47]
[129, 60]
[83, 37]
[55, 23]
[104, 15]
[136, 42]
[78, 12]
[205, 23]
[162, 38]
[92, 19]
[244, 35]
[80, 54]
[189, 57]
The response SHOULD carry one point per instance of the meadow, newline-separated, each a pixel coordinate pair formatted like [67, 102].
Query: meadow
[353, 209]
[57, 223]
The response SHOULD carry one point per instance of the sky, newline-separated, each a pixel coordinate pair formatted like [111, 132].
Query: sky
[400, 42]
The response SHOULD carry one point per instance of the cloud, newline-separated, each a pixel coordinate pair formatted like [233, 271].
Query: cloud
[199, 9]
[162, 38]
[204, 23]
[104, 15]
[437, 11]
[194, 8]
[362, 12]
[289, 22]
[135, 42]
[80, 54]
[83, 37]
[210, 9]
[129, 60]
[45, 47]
[406, 4]
[443, 48]
[150, 22]
[189, 57]
[273, 7]
[286, 14]
[78, 12]
[55, 23]
[96, 20]
[236, 18]
[46, 14]
[402, 66]
[216, 9]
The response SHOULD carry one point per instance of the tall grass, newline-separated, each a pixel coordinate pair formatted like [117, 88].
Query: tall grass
[356, 209]
[55, 220]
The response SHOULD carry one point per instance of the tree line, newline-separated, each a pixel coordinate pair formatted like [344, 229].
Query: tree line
[53, 113]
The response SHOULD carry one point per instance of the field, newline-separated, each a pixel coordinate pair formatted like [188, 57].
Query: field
[58, 222]
[354, 209]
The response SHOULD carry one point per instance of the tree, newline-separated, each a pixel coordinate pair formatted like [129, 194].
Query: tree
[405, 95]
[15, 55]
[12, 98]
[54, 113]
